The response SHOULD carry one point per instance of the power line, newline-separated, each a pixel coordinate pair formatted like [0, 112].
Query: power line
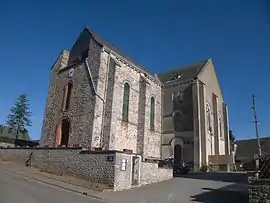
[262, 99]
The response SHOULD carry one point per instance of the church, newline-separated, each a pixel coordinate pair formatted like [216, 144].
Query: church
[100, 99]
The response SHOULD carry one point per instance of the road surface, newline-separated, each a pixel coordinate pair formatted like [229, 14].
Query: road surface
[15, 188]
[18, 189]
[194, 188]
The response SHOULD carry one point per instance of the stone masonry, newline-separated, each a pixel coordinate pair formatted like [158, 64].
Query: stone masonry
[96, 167]
[95, 113]
[259, 191]
[82, 107]
[93, 167]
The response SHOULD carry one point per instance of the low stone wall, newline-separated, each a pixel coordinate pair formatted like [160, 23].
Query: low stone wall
[151, 173]
[259, 191]
[104, 167]
[91, 166]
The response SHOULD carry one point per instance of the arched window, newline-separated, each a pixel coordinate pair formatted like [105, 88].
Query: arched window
[125, 102]
[65, 132]
[67, 96]
[69, 89]
[220, 125]
[152, 114]
[208, 117]
[178, 122]
[180, 96]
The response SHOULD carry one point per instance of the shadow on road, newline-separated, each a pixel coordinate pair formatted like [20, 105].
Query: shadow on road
[218, 176]
[236, 193]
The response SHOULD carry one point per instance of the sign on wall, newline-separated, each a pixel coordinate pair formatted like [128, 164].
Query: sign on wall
[123, 165]
[110, 158]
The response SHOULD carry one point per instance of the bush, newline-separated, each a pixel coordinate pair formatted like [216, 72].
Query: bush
[204, 168]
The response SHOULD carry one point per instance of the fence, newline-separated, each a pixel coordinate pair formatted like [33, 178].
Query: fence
[264, 170]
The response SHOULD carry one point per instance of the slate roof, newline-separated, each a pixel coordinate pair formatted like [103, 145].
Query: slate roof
[247, 148]
[187, 72]
[5, 132]
[116, 50]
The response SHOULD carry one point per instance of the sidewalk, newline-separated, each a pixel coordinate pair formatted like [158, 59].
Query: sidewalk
[64, 182]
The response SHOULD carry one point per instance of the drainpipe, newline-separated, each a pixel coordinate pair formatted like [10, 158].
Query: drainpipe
[105, 96]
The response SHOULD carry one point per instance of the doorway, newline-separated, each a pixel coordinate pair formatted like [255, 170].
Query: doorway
[135, 170]
[65, 132]
[178, 154]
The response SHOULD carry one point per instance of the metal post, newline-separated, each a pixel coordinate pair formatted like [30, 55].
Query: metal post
[256, 125]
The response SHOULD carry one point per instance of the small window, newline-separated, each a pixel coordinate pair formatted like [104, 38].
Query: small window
[125, 108]
[220, 126]
[208, 116]
[152, 114]
[180, 96]
[173, 97]
[67, 96]
[178, 122]
[123, 165]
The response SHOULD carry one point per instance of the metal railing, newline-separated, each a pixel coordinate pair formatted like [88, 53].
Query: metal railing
[264, 170]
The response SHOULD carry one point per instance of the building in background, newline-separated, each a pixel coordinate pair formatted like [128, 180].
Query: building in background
[247, 150]
[7, 132]
[195, 117]
[8, 138]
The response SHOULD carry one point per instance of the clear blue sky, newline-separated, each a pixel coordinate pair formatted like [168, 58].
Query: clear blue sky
[157, 34]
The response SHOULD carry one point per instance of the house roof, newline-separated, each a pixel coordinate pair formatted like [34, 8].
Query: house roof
[6, 132]
[246, 149]
[116, 50]
[187, 72]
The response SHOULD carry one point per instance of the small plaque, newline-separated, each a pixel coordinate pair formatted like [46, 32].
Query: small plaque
[123, 165]
[110, 158]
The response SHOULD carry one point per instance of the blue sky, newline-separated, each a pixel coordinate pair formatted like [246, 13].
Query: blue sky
[157, 34]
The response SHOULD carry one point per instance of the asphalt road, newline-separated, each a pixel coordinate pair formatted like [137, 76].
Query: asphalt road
[185, 190]
[18, 189]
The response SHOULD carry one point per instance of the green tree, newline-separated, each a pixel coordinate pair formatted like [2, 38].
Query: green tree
[1, 129]
[231, 135]
[19, 117]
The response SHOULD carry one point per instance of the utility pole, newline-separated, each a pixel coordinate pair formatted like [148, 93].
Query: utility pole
[256, 125]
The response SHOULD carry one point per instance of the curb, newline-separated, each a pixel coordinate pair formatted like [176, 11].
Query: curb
[55, 185]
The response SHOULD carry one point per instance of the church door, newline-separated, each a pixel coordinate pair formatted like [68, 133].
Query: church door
[65, 132]
[178, 154]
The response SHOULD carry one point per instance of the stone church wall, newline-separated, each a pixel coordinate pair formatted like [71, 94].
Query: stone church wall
[82, 104]
[152, 138]
[135, 134]
[121, 135]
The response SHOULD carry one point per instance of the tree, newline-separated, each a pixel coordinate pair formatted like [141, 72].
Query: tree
[19, 117]
[1, 129]
[232, 137]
